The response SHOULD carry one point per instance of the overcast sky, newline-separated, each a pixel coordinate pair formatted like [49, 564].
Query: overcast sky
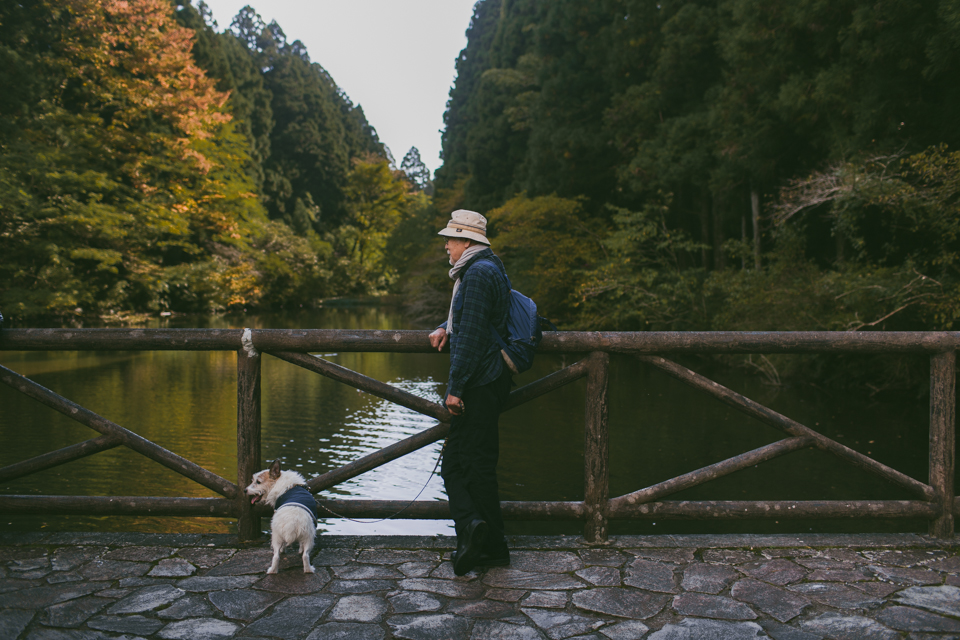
[393, 57]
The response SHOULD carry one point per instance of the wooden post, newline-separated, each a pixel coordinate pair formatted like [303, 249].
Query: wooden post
[596, 454]
[248, 439]
[942, 440]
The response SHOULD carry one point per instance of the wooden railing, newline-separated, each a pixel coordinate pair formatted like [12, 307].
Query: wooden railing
[934, 500]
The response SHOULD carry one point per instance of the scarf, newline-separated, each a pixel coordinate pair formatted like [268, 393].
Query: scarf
[468, 253]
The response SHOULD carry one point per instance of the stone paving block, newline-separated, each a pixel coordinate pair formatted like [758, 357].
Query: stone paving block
[845, 554]
[414, 602]
[146, 599]
[505, 595]
[144, 582]
[729, 556]
[558, 624]
[8, 585]
[333, 557]
[703, 605]
[11, 554]
[905, 575]
[498, 630]
[13, 622]
[789, 553]
[139, 625]
[172, 568]
[366, 572]
[708, 578]
[838, 596]
[362, 586]
[823, 562]
[61, 634]
[546, 599]
[113, 569]
[346, 631]
[139, 554]
[292, 618]
[779, 631]
[876, 589]
[448, 588]
[205, 557]
[64, 576]
[359, 609]
[627, 630]
[676, 556]
[910, 619]
[652, 576]
[416, 569]
[942, 599]
[603, 557]
[508, 578]
[72, 613]
[215, 583]
[778, 603]
[243, 605]
[601, 576]
[946, 564]
[623, 603]
[699, 629]
[779, 572]
[858, 574]
[191, 605]
[114, 594]
[839, 627]
[39, 597]
[906, 557]
[444, 571]
[479, 608]
[199, 629]
[393, 556]
[545, 561]
[429, 626]
[294, 581]
[250, 561]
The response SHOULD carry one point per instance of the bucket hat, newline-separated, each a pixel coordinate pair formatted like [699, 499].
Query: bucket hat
[468, 225]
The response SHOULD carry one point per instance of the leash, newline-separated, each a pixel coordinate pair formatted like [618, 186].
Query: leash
[409, 504]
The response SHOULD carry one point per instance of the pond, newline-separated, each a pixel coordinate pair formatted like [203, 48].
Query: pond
[659, 428]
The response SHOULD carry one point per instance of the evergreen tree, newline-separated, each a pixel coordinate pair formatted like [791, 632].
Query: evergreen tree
[418, 175]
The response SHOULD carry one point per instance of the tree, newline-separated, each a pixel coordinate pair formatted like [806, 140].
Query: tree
[418, 175]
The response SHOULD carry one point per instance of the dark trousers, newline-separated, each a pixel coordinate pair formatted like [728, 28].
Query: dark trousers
[469, 468]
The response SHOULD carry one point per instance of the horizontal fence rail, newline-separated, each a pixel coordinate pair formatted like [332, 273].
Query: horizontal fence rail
[934, 501]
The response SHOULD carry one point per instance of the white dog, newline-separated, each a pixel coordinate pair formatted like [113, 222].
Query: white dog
[295, 515]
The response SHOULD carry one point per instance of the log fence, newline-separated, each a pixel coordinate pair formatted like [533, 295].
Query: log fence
[933, 501]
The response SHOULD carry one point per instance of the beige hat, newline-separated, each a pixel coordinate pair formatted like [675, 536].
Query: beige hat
[468, 225]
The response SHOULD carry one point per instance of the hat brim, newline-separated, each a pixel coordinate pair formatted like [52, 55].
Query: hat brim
[463, 234]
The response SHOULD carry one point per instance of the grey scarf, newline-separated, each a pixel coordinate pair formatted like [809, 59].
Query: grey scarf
[468, 253]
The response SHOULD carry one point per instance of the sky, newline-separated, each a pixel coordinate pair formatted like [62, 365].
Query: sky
[395, 58]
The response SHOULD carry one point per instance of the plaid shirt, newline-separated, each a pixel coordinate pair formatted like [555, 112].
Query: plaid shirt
[483, 297]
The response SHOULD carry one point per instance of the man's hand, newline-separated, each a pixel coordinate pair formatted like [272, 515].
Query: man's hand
[438, 339]
[454, 405]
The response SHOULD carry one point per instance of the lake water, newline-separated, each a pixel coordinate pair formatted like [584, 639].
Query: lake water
[659, 428]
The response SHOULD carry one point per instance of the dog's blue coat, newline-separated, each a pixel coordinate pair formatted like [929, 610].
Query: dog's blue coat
[298, 496]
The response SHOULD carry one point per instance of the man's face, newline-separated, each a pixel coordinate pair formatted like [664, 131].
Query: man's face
[455, 248]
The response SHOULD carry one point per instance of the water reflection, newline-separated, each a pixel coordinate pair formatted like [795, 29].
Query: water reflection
[659, 428]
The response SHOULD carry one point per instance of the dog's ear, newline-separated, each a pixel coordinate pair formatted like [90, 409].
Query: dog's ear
[275, 469]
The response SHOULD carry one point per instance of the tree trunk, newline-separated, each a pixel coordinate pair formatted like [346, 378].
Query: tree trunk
[705, 230]
[719, 260]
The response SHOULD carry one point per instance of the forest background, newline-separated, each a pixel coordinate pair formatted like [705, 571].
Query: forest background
[672, 165]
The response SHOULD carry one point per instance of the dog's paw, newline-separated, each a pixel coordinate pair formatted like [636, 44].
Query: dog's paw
[271, 570]
[308, 570]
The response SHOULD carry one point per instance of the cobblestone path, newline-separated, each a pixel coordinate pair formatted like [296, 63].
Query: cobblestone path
[194, 587]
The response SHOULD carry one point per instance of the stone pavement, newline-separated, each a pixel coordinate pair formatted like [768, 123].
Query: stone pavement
[724, 587]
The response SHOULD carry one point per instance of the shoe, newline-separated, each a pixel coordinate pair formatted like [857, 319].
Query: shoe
[468, 550]
[493, 559]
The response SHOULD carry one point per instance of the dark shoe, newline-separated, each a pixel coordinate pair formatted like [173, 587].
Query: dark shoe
[468, 550]
[493, 559]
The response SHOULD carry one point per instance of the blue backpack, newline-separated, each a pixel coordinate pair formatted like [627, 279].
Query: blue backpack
[524, 330]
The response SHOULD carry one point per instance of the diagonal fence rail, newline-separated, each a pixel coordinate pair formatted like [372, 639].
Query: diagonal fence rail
[934, 500]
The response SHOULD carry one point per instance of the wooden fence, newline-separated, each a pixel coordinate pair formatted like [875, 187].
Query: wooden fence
[934, 500]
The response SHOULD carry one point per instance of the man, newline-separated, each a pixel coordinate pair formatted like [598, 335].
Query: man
[478, 386]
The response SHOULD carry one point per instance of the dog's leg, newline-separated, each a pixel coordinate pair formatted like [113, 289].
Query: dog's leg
[306, 547]
[277, 548]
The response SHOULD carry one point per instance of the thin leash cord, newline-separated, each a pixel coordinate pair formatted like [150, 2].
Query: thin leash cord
[410, 504]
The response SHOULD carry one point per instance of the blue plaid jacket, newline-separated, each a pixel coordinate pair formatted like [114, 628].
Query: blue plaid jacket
[483, 297]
